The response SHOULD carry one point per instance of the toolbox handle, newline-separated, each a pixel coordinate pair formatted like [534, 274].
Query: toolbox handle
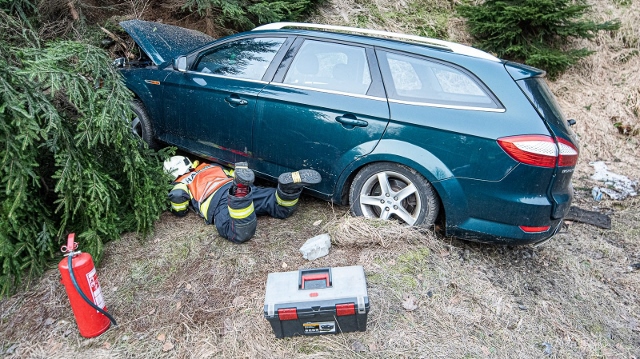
[314, 275]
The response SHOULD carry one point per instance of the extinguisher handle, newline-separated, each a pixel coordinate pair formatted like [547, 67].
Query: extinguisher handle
[71, 244]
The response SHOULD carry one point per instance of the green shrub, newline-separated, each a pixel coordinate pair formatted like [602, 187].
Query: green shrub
[243, 15]
[535, 32]
[69, 161]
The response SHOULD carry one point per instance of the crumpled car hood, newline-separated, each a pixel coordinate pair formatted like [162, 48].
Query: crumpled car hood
[162, 42]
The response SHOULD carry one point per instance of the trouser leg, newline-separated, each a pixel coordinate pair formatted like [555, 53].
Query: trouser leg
[235, 217]
[274, 202]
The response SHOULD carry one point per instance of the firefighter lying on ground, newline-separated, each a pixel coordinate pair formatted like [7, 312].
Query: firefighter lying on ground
[228, 198]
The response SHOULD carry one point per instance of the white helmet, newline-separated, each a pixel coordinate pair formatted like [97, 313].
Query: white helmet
[177, 165]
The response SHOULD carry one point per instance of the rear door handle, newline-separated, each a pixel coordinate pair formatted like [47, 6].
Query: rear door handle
[352, 121]
[234, 100]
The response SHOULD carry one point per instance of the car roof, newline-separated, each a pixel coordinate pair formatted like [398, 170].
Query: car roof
[375, 37]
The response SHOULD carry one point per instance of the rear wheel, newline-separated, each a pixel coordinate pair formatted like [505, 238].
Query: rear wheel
[388, 190]
[141, 125]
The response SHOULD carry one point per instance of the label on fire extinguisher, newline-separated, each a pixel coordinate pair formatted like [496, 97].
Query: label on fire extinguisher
[96, 292]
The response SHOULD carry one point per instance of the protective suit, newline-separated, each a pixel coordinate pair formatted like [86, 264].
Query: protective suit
[228, 198]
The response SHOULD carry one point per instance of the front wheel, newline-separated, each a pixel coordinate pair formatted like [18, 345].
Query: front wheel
[141, 125]
[389, 190]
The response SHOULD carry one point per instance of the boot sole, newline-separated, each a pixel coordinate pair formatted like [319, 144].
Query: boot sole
[244, 176]
[307, 177]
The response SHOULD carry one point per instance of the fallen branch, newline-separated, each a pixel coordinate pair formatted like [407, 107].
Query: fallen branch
[74, 12]
[115, 38]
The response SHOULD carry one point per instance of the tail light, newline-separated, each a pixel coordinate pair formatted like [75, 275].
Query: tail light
[539, 150]
[568, 153]
[540, 229]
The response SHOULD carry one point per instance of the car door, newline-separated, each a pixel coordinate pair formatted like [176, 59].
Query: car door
[325, 107]
[211, 106]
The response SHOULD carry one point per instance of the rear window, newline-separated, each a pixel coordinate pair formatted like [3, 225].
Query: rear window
[429, 82]
[543, 100]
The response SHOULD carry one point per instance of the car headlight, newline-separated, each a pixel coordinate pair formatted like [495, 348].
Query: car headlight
[119, 62]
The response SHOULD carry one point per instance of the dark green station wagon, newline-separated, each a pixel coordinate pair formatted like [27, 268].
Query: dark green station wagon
[399, 126]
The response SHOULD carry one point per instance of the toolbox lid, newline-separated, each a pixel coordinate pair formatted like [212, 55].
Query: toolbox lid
[346, 282]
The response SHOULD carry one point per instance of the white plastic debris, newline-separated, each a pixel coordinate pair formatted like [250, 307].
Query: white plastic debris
[316, 247]
[618, 187]
[596, 192]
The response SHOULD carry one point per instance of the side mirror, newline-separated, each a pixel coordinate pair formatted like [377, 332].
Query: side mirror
[180, 64]
[571, 122]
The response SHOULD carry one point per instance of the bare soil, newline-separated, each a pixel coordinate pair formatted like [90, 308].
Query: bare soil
[185, 292]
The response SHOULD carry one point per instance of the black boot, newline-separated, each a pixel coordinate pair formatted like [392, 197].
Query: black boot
[291, 183]
[243, 178]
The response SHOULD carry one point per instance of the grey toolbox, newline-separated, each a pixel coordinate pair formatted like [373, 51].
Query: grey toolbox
[317, 301]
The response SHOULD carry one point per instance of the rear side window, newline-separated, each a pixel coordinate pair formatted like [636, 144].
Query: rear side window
[429, 82]
[330, 66]
[540, 95]
[246, 58]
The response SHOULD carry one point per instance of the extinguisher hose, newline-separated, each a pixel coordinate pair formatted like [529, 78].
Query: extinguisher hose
[90, 302]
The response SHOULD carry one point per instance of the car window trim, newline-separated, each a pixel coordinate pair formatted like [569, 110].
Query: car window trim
[277, 59]
[333, 92]
[285, 64]
[196, 73]
[454, 107]
[391, 90]
[376, 88]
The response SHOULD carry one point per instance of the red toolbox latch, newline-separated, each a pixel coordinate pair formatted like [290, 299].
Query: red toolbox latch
[345, 309]
[288, 313]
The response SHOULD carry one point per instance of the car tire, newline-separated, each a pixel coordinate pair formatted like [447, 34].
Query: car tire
[417, 206]
[141, 125]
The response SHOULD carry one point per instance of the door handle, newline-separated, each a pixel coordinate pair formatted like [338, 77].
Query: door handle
[236, 101]
[351, 120]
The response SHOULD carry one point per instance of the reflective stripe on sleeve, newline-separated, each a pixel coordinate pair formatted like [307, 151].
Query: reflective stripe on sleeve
[285, 203]
[179, 207]
[241, 213]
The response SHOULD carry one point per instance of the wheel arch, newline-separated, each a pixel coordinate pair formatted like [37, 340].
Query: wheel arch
[446, 186]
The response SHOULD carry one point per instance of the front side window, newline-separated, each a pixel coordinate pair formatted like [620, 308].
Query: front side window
[330, 66]
[420, 80]
[246, 58]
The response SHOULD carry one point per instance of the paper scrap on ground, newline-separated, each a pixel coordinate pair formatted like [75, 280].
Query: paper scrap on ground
[618, 187]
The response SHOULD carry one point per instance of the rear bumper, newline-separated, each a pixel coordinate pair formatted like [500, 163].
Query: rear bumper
[493, 211]
[478, 230]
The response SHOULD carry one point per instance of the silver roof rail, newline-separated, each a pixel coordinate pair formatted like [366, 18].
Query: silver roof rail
[451, 46]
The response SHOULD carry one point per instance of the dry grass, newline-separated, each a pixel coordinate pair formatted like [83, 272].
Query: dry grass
[185, 292]
[603, 92]
[203, 296]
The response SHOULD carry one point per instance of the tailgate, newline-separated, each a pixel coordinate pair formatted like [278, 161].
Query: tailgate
[545, 103]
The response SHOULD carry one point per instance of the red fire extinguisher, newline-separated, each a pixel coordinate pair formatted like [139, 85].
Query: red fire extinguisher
[83, 289]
